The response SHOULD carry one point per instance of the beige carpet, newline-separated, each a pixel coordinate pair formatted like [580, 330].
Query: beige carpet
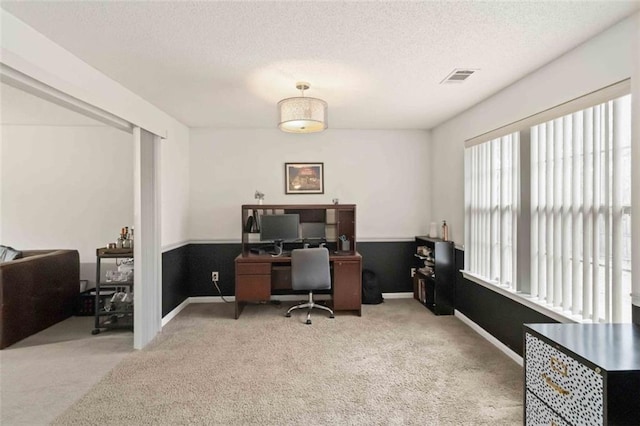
[44, 374]
[397, 364]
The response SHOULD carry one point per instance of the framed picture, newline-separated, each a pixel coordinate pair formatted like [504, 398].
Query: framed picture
[304, 178]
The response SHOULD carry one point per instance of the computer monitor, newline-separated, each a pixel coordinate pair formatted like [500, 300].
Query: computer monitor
[312, 230]
[313, 234]
[278, 228]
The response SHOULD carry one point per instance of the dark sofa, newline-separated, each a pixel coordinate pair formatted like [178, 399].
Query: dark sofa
[37, 291]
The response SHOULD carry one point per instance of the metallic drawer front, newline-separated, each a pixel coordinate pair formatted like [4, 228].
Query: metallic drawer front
[570, 388]
[539, 414]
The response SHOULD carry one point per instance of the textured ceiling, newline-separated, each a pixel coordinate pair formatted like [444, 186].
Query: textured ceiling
[378, 65]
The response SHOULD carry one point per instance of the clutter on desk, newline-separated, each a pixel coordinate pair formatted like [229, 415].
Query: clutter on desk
[345, 245]
[259, 196]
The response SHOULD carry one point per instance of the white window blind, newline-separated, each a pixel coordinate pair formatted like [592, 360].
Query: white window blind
[580, 212]
[491, 209]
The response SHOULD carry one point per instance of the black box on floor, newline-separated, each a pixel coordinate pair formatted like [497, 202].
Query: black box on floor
[86, 303]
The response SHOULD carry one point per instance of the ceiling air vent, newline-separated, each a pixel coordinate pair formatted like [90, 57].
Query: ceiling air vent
[458, 75]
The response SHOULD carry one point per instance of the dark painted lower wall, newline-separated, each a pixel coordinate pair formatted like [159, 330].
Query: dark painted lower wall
[175, 278]
[206, 258]
[501, 316]
[186, 271]
[498, 315]
[635, 314]
[392, 263]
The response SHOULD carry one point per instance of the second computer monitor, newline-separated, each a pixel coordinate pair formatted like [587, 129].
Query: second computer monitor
[312, 230]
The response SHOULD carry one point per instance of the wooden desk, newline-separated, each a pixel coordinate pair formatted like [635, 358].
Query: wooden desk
[257, 275]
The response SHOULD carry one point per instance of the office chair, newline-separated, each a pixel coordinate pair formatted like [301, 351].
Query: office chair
[310, 271]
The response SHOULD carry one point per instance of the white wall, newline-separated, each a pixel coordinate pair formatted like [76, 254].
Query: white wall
[65, 187]
[383, 172]
[603, 60]
[26, 50]
[174, 187]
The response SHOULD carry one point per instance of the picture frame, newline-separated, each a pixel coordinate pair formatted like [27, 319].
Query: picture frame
[304, 178]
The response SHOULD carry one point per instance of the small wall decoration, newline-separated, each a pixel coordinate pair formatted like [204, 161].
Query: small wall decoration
[304, 178]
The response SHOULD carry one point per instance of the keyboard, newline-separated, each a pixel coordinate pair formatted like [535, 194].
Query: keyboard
[285, 253]
[269, 251]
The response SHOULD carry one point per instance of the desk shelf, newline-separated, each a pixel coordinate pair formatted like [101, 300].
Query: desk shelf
[339, 219]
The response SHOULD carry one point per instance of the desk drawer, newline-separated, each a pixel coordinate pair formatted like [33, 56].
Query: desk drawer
[250, 268]
[347, 285]
[569, 387]
[253, 288]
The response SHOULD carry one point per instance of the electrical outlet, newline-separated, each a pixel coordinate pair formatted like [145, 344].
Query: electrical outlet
[214, 276]
[413, 272]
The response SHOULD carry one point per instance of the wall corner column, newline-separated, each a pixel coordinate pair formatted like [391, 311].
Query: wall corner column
[635, 173]
[147, 301]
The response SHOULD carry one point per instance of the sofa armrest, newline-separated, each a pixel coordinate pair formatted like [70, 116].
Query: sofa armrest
[36, 292]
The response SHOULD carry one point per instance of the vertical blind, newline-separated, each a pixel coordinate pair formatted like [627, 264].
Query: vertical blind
[580, 211]
[578, 258]
[491, 209]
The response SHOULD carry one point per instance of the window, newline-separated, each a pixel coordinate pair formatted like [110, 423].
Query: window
[563, 188]
[491, 208]
[581, 180]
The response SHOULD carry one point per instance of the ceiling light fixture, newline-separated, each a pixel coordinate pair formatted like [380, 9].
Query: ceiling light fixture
[302, 114]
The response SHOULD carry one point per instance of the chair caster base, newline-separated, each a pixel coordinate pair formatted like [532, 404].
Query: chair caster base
[95, 331]
[308, 322]
[288, 315]
[331, 316]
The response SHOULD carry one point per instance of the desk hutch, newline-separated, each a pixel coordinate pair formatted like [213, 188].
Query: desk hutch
[259, 275]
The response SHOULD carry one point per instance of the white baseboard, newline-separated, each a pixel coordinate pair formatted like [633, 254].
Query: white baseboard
[298, 297]
[210, 299]
[217, 299]
[497, 343]
[171, 315]
[403, 295]
[282, 297]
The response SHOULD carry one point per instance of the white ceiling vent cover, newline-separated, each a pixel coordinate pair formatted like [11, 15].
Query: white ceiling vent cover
[458, 75]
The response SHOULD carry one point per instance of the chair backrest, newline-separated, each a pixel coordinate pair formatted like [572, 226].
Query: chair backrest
[310, 269]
